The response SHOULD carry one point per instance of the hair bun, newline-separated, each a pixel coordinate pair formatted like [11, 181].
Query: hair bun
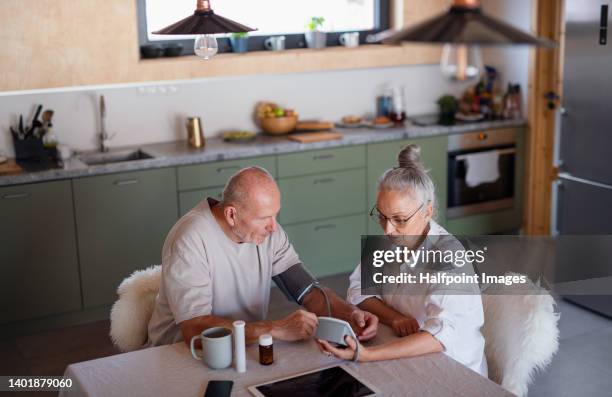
[410, 157]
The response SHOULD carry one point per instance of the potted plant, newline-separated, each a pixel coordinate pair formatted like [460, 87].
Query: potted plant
[240, 42]
[448, 107]
[315, 37]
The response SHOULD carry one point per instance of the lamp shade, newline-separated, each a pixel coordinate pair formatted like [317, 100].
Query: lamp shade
[204, 21]
[465, 25]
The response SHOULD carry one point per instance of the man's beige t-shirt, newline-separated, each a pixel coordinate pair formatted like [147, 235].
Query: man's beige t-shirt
[206, 273]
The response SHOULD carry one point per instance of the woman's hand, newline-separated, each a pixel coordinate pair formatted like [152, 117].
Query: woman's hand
[404, 325]
[366, 322]
[347, 353]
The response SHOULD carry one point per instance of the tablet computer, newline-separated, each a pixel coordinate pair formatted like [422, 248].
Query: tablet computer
[336, 381]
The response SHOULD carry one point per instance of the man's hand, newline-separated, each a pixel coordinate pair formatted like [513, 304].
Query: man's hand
[403, 325]
[365, 324]
[298, 325]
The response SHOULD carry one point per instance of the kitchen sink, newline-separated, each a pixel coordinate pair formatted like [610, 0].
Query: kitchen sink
[114, 157]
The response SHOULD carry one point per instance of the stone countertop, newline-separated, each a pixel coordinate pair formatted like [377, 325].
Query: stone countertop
[176, 153]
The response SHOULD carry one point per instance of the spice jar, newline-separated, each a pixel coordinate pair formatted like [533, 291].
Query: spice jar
[266, 349]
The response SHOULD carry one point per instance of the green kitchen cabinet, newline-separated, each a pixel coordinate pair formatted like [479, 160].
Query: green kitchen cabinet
[40, 273]
[314, 197]
[320, 161]
[189, 199]
[382, 156]
[201, 176]
[329, 246]
[122, 222]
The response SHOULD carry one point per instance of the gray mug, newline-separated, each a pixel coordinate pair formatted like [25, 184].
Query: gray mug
[216, 347]
[275, 43]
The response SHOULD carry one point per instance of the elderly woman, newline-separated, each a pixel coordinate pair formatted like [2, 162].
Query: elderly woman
[426, 319]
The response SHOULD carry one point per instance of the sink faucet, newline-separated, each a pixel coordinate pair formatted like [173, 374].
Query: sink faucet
[104, 137]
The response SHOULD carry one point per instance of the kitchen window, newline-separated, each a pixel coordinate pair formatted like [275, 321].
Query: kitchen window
[270, 17]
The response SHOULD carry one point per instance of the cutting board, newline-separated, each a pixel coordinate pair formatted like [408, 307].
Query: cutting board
[310, 137]
[314, 125]
[10, 167]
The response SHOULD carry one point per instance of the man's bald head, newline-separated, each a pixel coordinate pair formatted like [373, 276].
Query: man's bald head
[248, 185]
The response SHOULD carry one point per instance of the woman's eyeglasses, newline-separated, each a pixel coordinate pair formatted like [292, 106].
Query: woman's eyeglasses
[396, 221]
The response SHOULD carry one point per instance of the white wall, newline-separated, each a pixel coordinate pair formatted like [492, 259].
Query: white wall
[139, 117]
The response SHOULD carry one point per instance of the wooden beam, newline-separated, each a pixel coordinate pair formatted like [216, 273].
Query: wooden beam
[544, 76]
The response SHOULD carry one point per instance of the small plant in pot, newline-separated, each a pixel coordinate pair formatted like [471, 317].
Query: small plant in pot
[448, 107]
[315, 37]
[240, 42]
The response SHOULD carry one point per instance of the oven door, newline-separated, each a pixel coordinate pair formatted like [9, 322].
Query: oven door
[465, 200]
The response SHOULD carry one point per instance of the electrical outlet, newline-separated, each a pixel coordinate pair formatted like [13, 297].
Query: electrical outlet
[165, 89]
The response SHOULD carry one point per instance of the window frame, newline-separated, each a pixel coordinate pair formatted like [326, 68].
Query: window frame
[382, 15]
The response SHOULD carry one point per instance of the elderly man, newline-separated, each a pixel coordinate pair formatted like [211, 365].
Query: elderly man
[218, 262]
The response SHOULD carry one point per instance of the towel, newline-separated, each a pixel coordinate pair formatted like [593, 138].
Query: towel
[482, 168]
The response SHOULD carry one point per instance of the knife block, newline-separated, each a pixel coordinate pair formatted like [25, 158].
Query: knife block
[33, 150]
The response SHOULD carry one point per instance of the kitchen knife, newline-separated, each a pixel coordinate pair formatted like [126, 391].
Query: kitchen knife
[35, 123]
[15, 133]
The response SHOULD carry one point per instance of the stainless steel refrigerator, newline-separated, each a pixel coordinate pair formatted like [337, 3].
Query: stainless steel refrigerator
[583, 191]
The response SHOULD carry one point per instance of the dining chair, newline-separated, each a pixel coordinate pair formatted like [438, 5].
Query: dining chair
[131, 313]
[521, 333]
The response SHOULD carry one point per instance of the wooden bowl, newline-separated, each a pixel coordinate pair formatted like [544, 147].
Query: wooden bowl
[278, 125]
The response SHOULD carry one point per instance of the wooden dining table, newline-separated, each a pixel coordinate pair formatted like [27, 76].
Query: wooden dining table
[171, 370]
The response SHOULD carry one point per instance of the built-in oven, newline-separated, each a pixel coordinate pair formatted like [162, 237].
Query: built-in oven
[481, 172]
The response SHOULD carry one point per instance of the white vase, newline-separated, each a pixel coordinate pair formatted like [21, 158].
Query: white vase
[316, 39]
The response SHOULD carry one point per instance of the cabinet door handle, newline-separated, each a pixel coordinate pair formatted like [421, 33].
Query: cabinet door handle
[126, 182]
[323, 157]
[228, 168]
[15, 196]
[324, 180]
[325, 226]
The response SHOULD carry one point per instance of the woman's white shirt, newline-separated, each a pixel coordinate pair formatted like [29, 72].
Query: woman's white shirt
[454, 320]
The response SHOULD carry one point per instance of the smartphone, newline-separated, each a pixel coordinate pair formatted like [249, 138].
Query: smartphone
[219, 388]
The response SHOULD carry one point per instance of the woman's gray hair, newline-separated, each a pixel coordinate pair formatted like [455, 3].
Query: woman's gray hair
[409, 176]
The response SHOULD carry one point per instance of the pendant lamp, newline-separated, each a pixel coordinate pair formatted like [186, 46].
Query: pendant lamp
[205, 24]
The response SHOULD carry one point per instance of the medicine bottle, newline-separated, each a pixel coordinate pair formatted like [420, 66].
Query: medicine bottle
[266, 349]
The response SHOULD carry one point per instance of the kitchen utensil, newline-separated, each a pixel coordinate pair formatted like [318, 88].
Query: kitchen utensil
[314, 126]
[35, 123]
[46, 122]
[309, 137]
[349, 39]
[10, 167]
[238, 136]
[275, 43]
[384, 105]
[64, 152]
[195, 132]
[21, 130]
[216, 347]
[383, 126]
[46, 117]
[279, 125]
[16, 134]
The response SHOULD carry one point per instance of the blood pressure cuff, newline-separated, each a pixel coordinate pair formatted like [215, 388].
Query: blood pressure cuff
[295, 282]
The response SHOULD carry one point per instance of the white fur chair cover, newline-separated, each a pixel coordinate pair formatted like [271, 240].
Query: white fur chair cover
[130, 315]
[521, 333]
